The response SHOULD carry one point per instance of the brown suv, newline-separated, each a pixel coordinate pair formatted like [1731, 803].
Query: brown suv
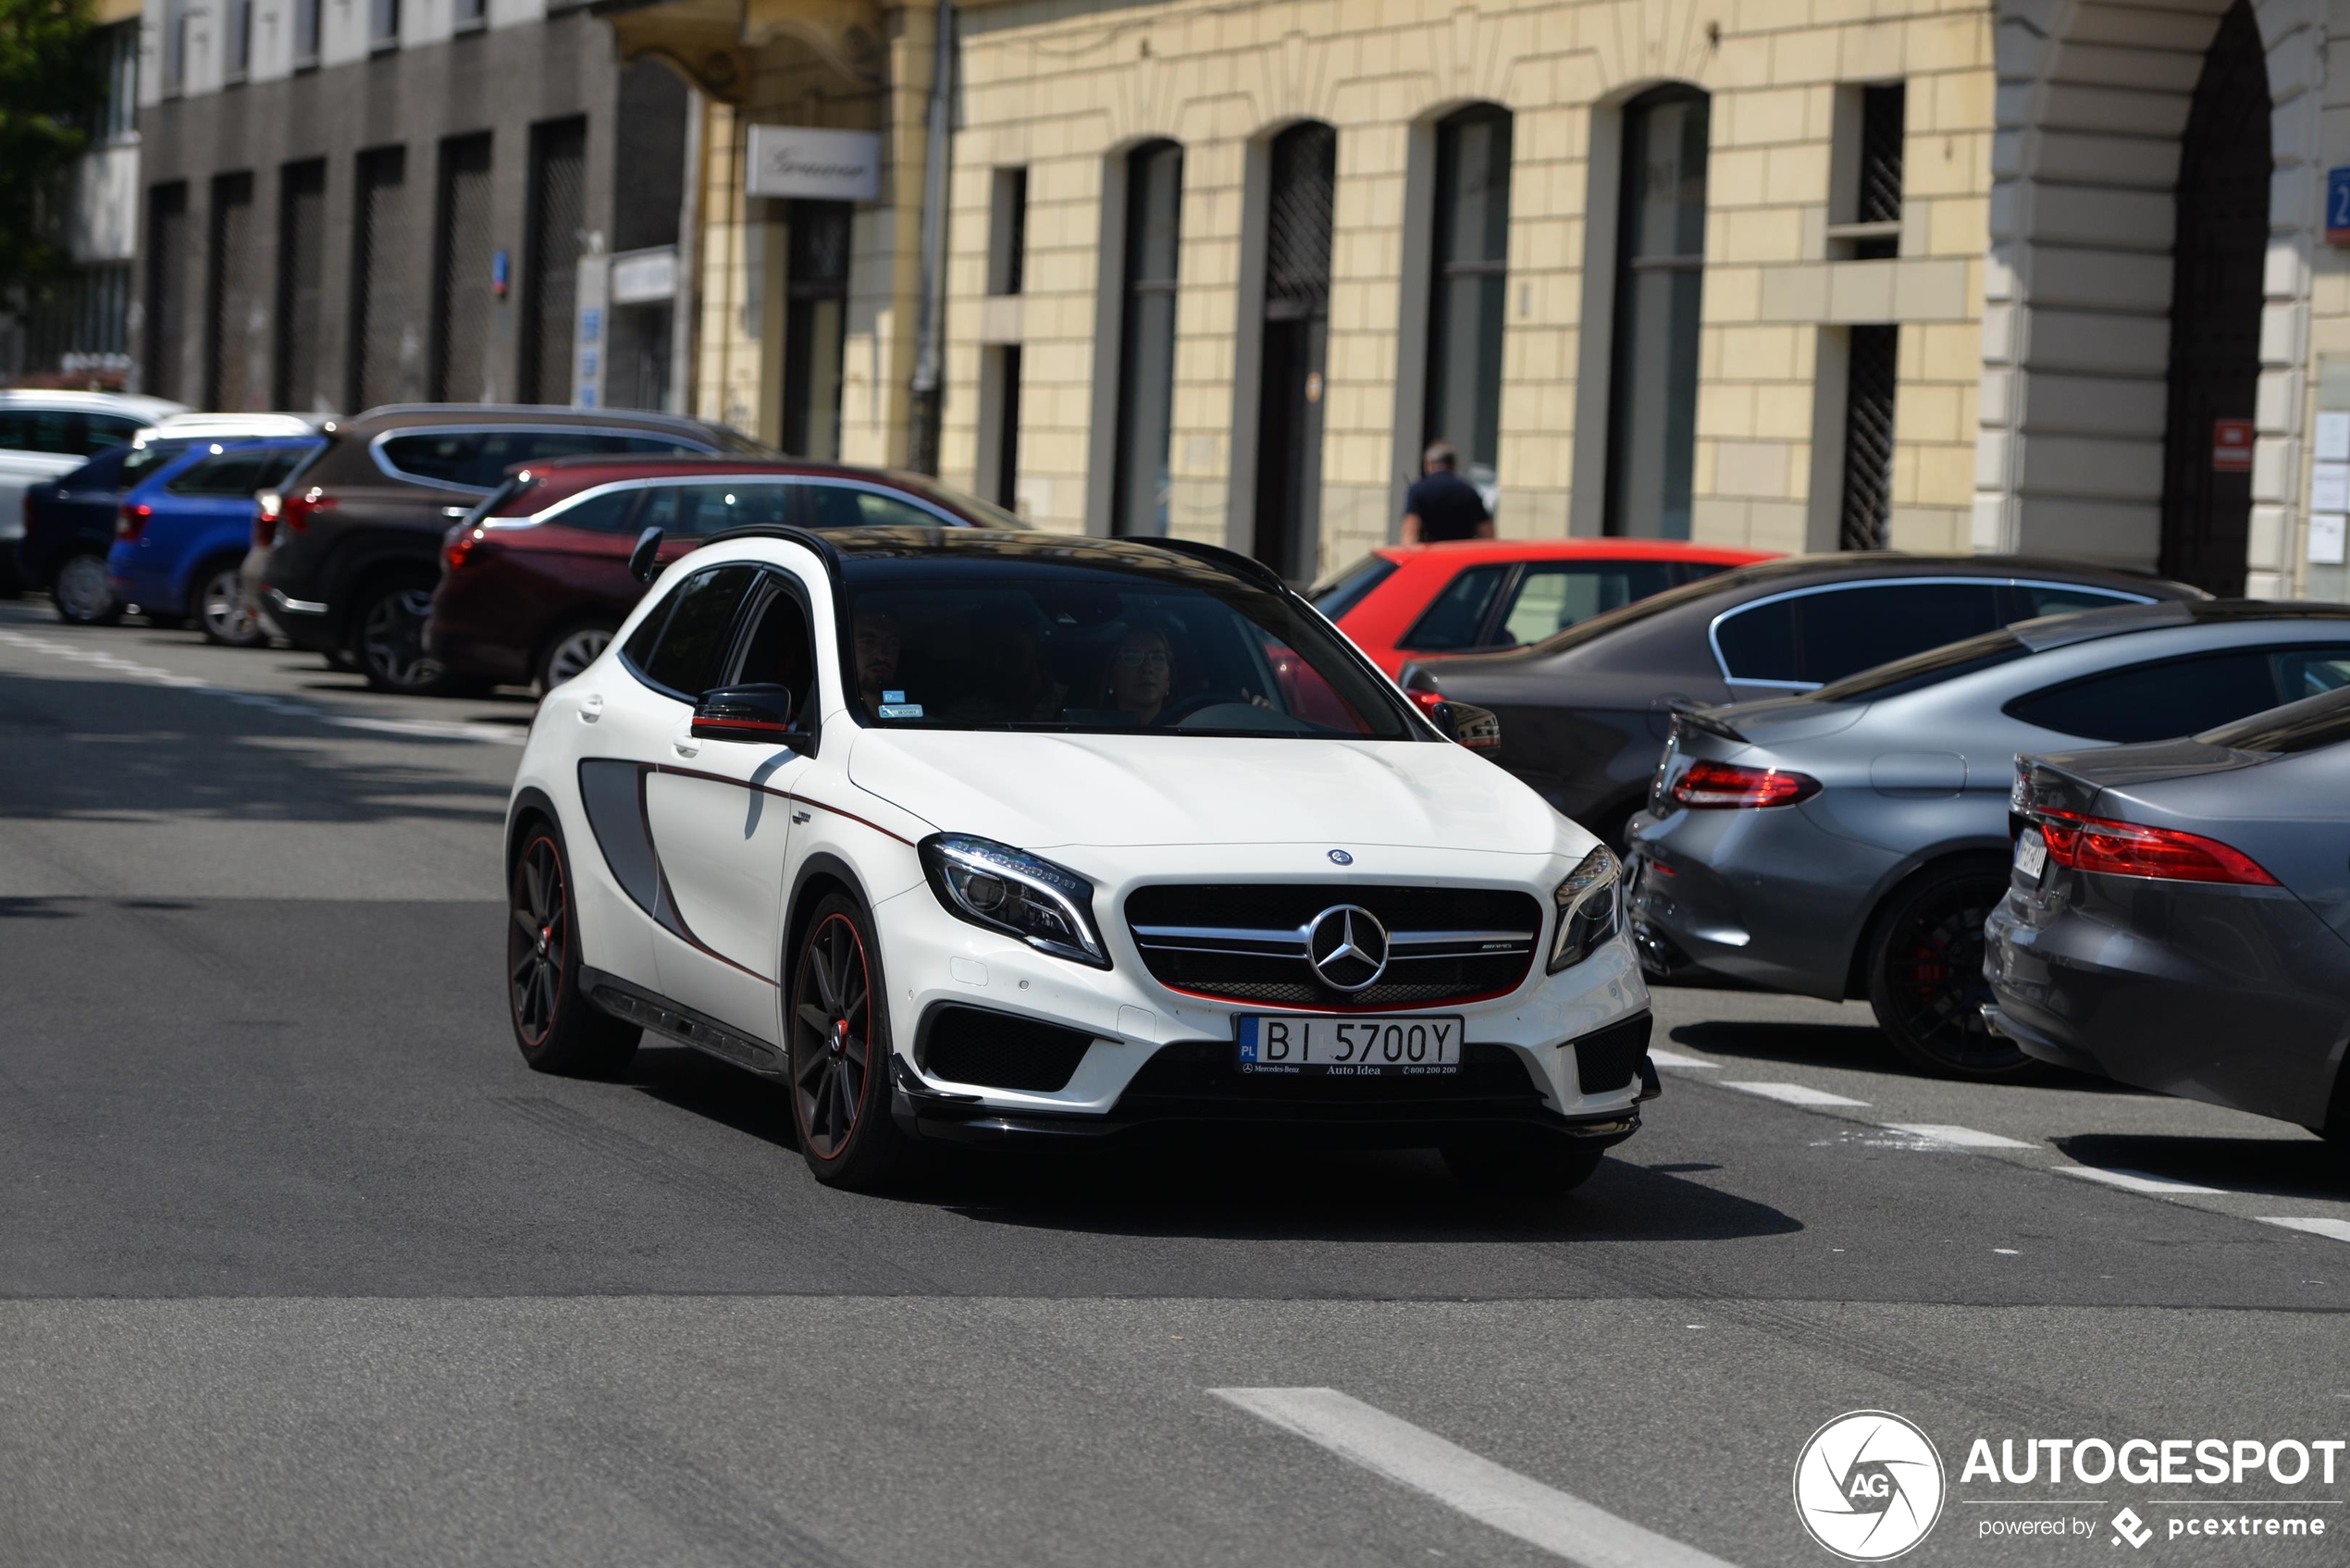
[348, 548]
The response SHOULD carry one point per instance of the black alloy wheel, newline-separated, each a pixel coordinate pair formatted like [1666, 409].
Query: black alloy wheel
[390, 645]
[1925, 978]
[838, 1058]
[556, 1027]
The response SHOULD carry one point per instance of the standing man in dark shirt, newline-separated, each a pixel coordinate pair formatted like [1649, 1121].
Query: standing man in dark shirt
[1443, 505]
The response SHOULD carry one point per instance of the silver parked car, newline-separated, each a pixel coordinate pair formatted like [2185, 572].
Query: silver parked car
[1851, 842]
[2179, 915]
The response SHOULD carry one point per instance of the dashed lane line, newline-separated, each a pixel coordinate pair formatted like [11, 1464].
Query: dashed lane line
[2338, 1229]
[425, 729]
[1792, 1093]
[1558, 1522]
[1956, 1137]
[1675, 1059]
[2139, 1181]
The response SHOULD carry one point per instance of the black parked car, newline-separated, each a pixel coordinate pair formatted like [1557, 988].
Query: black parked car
[69, 527]
[2178, 915]
[352, 553]
[1584, 715]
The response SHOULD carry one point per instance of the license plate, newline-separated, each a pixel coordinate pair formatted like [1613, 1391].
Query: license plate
[2030, 853]
[1349, 1047]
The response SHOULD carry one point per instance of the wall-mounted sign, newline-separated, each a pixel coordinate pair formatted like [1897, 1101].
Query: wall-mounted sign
[594, 285]
[501, 274]
[2232, 446]
[827, 166]
[2338, 206]
[642, 277]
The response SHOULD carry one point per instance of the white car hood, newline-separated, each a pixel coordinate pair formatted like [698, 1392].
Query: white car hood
[1039, 791]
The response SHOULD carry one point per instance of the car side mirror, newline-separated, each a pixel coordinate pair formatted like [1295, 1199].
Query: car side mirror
[760, 715]
[646, 556]
[1479, 729]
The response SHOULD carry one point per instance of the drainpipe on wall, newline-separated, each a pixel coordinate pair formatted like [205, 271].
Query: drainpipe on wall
[922, 445]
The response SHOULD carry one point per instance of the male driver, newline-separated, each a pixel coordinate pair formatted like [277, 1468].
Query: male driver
[1443, 505]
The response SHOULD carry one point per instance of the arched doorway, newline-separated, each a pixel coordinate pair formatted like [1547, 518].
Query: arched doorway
[1296, 345]
[2216, 260]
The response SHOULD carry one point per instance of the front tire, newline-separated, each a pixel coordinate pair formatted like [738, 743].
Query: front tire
[1506, 1168]
[1925, 978]
[557, 1029]
[219, 611]
[839, 1054]
[82, 594]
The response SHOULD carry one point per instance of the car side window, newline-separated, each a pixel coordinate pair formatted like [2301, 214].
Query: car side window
[780, 649]
[2311, 672]
[1853, 629]
[107, 430]
[696, 511]
[450, 457]
[2045, 598]
[51, 430]
[690, 654]
[852, 506]
[658, 446]
[1456, 619]
[609, 512]
[2156, 700]
[1758, 643]
[1550, 596]
[232, 474]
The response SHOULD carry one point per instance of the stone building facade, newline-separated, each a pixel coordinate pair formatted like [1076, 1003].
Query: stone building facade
[2047, 276]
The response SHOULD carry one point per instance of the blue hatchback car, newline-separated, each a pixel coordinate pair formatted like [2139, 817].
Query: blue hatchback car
[182, 533]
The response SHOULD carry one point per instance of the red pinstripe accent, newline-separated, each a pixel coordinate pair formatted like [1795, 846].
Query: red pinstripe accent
[780, 794]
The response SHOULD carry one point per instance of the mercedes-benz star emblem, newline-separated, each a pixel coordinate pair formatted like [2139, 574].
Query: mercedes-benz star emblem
[1340, 857]
[1347, 946]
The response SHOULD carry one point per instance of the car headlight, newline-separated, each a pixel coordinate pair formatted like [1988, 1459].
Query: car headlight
[1591, 907]
[1048, 906]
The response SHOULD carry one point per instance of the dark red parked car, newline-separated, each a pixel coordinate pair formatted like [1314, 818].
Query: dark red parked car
[535, 581]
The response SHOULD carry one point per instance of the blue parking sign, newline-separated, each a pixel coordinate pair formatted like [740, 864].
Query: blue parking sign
[2338, 206]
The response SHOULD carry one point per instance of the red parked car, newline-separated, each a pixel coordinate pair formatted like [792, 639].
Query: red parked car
[535, 581]
[1402, 603]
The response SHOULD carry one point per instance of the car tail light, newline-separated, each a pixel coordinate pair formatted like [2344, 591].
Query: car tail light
[2128, 849]
[294, 511]
[132, 521]
[266, 509]
[1722, 785]
[464, 545]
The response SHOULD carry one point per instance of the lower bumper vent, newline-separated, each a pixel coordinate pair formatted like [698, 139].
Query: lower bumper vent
[1606, 1061]
[997, 1051]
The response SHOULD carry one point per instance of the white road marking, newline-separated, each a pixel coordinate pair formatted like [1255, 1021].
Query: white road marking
[1675, 1059]
[1793, 1093]
[1557, 1522]
[1956, 1136]
[2338, 1230]
[2136, 1181]
[429, 729]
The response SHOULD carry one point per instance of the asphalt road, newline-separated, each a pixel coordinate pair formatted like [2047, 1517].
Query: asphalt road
[300, 1264]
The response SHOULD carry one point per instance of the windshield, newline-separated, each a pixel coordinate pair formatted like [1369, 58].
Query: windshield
[986, 513]
[148, 456]
[1350, 588]
[1919, 670]
[1133, 645]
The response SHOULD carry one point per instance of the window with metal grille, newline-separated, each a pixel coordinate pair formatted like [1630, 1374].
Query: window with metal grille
[382, 338]
[1007, 232]
[302, 285]
[558, 213]
[1660, 281]
[1471, 288]
[465, 310]
[166, 289]
[1297, 229]
[1870, 373]
[236, 320]
[815, 326]
[1146, 340]
[1878, 201]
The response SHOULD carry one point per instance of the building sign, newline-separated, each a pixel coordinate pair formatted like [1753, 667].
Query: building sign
[2338, 206]
[642, 277]
[587, 344]
[2232, 446]
[825, 165]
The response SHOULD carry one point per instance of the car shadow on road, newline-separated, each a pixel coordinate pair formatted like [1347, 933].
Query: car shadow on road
[1238, 1189]
[2283, 1167]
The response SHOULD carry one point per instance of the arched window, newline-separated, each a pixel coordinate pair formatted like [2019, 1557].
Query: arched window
[1146, 340]
[1471, 288]
[1659, 283]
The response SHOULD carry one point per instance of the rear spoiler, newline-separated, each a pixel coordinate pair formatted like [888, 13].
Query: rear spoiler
[1697, 717]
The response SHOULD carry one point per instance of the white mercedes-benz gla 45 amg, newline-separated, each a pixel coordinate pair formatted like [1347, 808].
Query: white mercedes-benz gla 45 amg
[982, 835]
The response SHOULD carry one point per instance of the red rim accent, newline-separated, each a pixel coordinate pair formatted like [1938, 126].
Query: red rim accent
[538, 940]
[832, 1059]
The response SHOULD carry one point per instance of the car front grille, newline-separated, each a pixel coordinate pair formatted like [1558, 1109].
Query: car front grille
[1248, 942]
